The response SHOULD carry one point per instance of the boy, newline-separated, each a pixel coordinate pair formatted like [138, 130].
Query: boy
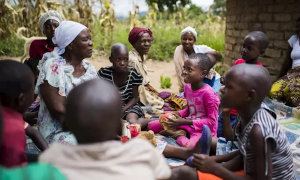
[16, 95]
[264, 149]
[96, 123]
[254, 46]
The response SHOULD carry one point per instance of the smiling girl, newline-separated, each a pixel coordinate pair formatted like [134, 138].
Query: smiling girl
[202, 104]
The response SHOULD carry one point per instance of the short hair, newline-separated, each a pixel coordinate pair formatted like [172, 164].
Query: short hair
[32, 63]
[15, 78]
[261, 37]
[204, 62]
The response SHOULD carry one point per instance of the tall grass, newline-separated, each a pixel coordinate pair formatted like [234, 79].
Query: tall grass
[166, 38]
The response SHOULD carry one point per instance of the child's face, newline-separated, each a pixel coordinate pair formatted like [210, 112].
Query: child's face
[191, 72]
[119, 59]
[233, 95]
[187, 41]
[250, 49]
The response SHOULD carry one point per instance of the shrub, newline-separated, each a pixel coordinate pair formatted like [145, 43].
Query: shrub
[165, 82]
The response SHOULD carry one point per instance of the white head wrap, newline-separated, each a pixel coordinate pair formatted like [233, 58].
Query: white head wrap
[189, 29]
[49, 15]
[65, 33]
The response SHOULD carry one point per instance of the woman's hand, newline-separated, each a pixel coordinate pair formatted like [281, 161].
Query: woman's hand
[204, 163]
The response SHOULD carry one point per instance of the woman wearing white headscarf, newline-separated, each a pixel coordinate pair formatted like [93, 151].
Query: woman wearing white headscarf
[187, 47]
[48, 22]
[60, 71]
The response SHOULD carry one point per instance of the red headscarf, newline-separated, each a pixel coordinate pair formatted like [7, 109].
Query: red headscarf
[135, 32]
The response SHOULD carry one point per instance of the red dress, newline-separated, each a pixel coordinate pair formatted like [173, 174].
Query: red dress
[38, 48]
[240, 61]
[12, 151]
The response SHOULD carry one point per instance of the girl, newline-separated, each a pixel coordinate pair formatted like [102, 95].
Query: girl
[127, 79]
[202, 104]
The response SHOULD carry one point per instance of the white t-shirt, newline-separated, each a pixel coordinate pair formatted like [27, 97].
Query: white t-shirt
[295, 54]
[112, 160]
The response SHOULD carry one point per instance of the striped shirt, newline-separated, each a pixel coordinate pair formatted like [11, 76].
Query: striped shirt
[134, 79]
[281, 155]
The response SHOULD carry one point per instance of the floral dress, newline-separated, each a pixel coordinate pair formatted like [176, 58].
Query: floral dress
[59, 74]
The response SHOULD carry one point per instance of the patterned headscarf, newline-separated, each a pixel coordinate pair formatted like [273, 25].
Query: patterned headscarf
[189, 29]
[135, 33]
[49, 15]
[65, 33]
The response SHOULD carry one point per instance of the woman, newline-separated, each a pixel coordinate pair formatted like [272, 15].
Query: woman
[48, 22]
[286, 89]
[60, 71]
[140, 39]
[187, 47]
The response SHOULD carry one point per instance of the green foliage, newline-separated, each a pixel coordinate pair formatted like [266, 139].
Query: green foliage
[165, 82]
[172, 5]
[166, 37]
[12, 46]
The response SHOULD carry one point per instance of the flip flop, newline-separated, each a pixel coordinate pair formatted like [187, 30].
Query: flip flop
[205, 142]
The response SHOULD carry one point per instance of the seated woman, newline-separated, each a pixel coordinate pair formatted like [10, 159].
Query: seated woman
[126, 79]
[286, 89]
[60, 71]
[140, 39]
[48, 22]
[187, 48]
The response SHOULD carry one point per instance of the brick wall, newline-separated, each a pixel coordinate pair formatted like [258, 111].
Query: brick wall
[277, 18]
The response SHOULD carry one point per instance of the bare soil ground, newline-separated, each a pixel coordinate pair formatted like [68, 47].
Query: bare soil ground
[156, 69]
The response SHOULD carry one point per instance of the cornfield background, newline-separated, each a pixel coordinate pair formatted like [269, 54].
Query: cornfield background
[105, 29]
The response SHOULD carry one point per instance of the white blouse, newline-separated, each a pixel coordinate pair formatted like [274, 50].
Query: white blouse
[295, 54]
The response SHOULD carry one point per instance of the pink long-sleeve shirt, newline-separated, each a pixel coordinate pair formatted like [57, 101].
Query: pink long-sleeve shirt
[202, 108]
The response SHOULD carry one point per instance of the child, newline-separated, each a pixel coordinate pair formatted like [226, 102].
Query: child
[202, 108]
[16, 94]
[126, 79]
[98, 153]
[264, 148]
[254, 46]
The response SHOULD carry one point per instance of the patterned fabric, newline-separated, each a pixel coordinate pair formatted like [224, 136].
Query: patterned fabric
[224, 147]
[134, 79]
[59, 74]
[287, 88]
[35, 106]
[281, 156]
[176, 103]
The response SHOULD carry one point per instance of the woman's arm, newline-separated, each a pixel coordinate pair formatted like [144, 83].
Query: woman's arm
[287, 64]
[54, 102]
[37, 138]
[135, 98]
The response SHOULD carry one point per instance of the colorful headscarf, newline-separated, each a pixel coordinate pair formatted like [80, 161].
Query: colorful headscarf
[49, 15]
[65, 33]
[189, 29]
[135, 32]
